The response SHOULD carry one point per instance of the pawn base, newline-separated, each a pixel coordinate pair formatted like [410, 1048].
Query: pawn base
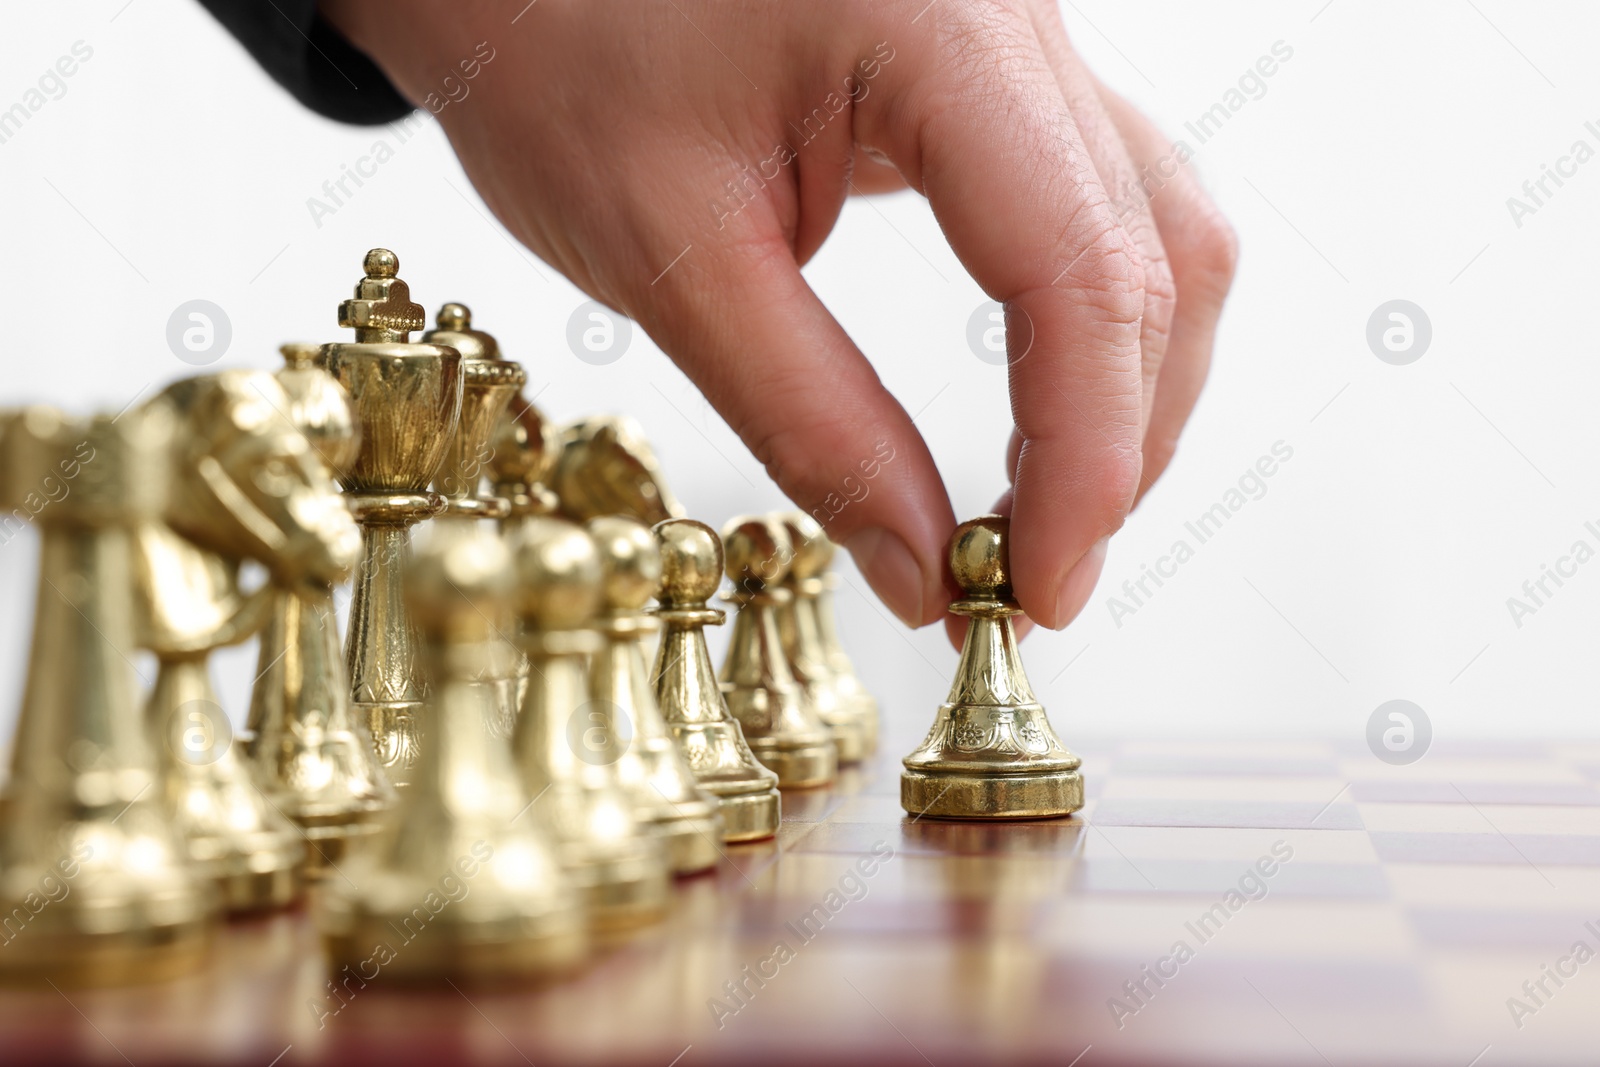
[979, 795]
[461, 957]
[691, 843]
[243, 892]
[807, 767]
[750, 816]
[129, 957]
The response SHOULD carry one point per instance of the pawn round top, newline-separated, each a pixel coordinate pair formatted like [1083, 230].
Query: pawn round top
[381, 263]
[980, 557]
[756, 550]
[558, 574]
[630, 562]
[691, 562]
[812, 549]
[453, 316]
[459, 583]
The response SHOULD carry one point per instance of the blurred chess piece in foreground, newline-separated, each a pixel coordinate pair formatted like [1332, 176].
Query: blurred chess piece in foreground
[647, 761]
[780, 727]
[992, 753]
[706, 733]
[311, 754]
[563, 742]
[95, 881]
[801, 631]
[407, 400]
[463, 884]
[246, 485]
[607, 467]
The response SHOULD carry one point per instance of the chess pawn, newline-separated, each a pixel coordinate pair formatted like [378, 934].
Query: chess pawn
[560, 741]
[708, 736]
[487, 385]
[781, 729]
[846, 683]
[407, 400]
[311, 755]
[95, 882]
[801, 633]
[607, 467]
[463, 884]
[991, 753]
[648, 764]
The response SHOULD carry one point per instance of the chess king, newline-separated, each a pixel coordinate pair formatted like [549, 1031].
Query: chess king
[407, 399]
[992, 753]
[95, 881]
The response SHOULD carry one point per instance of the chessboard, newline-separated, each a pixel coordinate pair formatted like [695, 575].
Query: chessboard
[1235, 902]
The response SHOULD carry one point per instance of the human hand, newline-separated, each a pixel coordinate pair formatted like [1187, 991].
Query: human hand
[605, 137]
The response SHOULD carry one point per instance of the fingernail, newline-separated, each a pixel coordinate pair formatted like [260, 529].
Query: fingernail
[1079, 583]
[892, 571]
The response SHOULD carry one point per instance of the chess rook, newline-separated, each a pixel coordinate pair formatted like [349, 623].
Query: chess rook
[992, 753]
[707, 735]
[82, 805]
[781, 729]
[561, 744]
[463, 885]
[801, 632]
[311, 755]
[407, 399]
[647, 762]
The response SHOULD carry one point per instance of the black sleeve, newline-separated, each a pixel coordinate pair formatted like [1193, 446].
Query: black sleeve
[311, 59]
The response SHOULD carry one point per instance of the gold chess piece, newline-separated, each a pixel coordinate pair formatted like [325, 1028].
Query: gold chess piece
[311, 754]
[780, 727]
[522, 455]
[246, 486]
[560, 744]
[407, 399]
[487, 385]
[95, 882]
[607, 467]
[706, 733]
[647, 762]
[463, 884]
[991, 753]
[846, 683]
[801, 632]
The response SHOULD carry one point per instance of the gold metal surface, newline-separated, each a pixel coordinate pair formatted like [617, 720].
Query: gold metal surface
[95, 881]
[487, 385]
[247, 485]
[647, 762]
[407, 400]
[310, 753]
[706, 733]
[560, 742]
[801, 632]
[464, 884]
[607, 467]
[992, 753]
[781, 729]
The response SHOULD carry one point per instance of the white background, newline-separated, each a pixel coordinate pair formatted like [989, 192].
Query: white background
[1376, 166]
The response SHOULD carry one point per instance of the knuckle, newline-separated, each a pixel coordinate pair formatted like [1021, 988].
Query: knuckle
[1210, 253]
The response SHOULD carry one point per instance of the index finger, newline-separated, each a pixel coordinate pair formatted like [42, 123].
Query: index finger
[977, 121]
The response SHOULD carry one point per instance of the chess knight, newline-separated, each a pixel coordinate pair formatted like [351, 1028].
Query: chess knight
[246, 485]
